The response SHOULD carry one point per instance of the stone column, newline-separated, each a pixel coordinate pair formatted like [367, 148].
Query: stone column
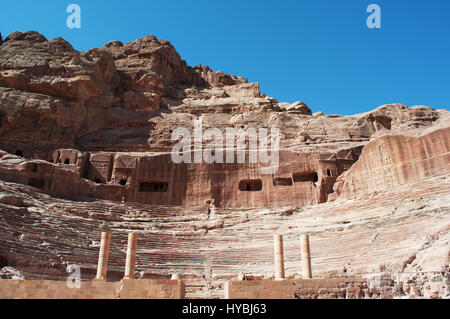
[131, 256]
[279, 257]
[103, 256]
[306, 258]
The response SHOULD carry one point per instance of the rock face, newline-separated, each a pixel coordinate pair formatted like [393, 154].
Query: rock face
[105, 118]
[11, 273]
[393, 160]
[85, 145]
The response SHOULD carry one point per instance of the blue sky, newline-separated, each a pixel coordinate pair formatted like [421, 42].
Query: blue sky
[320, 52]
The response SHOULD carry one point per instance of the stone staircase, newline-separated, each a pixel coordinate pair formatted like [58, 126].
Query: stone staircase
[383, 230]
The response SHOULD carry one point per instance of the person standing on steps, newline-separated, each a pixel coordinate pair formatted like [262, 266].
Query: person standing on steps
[210, 206]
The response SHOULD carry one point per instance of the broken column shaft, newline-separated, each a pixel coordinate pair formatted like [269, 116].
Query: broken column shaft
[306, 258]
[103, 256]
[279, 257]
[131, 256]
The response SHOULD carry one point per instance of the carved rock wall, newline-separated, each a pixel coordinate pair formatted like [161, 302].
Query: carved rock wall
[302, 178]
[394, 160]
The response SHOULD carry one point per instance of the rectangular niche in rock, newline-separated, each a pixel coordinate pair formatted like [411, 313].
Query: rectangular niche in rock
[305, 177]
[36, 182]
[250, 185]
[282, 181]
[153, 187]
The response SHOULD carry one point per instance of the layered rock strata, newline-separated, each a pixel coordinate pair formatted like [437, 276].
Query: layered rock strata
[85, 147]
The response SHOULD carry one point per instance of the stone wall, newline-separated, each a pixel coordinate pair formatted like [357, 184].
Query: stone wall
[430, 285]
[371, 286]
[126, 289]
[339, 288]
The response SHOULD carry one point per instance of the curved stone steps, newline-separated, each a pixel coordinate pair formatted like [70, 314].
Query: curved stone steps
[355, 235]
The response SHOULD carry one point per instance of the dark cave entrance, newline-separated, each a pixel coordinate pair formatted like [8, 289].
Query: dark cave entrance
[282, 181]
[123, 182]
[250, 185]
[36, 182]
[306, 177]
[3, 262]
[34, 167]
[153, 187]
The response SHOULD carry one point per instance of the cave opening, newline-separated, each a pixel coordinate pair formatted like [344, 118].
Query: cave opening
[97, 180]
[153, 187]
[250, 185]
[282, 181]
[123, 182]
[36, 182]
[3, 262]
[19, 153]
[305, 177]
[67, 161]
[329, 173]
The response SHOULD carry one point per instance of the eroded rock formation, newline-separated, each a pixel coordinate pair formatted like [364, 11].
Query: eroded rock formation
[85, 142]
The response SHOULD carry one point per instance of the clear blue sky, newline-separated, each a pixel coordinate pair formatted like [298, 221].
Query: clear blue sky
[320, 52]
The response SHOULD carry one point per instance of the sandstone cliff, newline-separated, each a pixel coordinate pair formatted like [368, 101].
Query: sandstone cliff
[85, 141]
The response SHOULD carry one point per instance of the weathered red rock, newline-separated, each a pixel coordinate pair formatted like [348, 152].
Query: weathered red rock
[85, 141]
[393, 160]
